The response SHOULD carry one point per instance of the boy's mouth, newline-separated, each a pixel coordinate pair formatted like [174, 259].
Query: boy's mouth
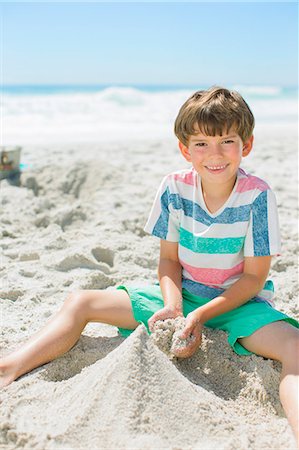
[216, 168]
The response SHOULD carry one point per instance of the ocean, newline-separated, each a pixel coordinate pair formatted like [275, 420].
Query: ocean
[45, 114]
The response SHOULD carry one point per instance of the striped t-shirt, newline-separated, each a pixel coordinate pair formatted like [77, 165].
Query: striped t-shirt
[212, 247]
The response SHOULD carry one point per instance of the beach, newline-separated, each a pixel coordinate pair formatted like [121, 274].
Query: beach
[76, 222]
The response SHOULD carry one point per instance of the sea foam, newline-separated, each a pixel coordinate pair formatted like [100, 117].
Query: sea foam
[116, 113]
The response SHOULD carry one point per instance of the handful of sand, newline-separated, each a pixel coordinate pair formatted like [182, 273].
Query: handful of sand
[166, 334]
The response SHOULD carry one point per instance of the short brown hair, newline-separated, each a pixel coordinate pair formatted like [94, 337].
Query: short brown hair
[214, 111]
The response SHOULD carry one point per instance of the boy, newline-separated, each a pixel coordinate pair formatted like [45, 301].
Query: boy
[218, 228]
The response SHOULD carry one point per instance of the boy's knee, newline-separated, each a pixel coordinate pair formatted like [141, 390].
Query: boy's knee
[291, 347]
[77, 301]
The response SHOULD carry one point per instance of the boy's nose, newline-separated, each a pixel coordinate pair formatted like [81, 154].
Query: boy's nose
[215, 149]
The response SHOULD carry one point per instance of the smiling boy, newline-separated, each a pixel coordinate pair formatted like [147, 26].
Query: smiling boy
[219, 229]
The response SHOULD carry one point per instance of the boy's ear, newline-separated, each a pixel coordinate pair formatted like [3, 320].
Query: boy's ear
[185, 151]
[247, 146]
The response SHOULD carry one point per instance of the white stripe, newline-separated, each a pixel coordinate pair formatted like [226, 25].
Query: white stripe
[244, 198]
[156, 208]
[185, 190]
[248, 244]
[228, 283]
[273, 224]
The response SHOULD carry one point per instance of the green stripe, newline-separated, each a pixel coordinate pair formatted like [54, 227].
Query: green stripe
[210, 245]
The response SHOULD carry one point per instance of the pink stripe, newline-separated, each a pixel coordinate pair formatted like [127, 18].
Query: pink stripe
[250, 182]
[187, 178]
[213, 276]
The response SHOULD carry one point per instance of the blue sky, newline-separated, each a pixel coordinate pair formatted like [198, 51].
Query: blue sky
[150, 43]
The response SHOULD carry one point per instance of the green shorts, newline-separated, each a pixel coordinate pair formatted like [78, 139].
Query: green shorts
[238, 323]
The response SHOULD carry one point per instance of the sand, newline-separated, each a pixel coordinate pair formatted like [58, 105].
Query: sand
[76, 222]
[166, 335]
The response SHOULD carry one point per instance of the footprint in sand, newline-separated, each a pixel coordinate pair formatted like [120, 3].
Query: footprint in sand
[31, 183]
[80, 261]
[94, 280]
[104, 255]
[281, 266]
[12, 294]
[74, 180]
[27, 273]
[67, 216]
[29, 256]
[135, 226]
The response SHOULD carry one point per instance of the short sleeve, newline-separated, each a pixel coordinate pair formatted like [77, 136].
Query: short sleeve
[163, 220]
[263, 235]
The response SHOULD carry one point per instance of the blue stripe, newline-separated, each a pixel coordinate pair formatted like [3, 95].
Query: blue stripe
[228, 216]
[193, 210]
[161, 227]
[201, 290]
[260, 225]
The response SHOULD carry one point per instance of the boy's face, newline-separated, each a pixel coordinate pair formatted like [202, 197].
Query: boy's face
[216, 158]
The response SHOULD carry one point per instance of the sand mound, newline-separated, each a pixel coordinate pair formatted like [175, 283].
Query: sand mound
[133, 397]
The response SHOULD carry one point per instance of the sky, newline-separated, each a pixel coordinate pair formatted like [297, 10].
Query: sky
[162, 43]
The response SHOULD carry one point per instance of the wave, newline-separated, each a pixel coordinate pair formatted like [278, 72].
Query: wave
[132, 112]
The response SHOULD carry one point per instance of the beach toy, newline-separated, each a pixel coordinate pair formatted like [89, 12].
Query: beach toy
[9, 162]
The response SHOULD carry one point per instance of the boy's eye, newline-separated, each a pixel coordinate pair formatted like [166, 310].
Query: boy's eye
[200, 144]
[228, 141]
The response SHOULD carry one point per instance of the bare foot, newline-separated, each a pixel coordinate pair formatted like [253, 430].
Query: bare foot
[7, 374]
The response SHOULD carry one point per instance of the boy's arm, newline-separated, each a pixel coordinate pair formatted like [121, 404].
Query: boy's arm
[256, 269]
[170, 275]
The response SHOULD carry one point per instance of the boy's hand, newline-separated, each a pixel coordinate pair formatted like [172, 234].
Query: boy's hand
[165, 313]
[193, 328]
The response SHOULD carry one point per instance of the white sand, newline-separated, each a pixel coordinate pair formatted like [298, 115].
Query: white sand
[77, 222]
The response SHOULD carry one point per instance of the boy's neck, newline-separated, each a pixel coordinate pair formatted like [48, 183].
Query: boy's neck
[216, 195]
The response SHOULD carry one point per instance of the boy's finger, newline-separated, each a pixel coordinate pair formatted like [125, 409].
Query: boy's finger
[187, 351]
[196, 332]
[151, 323]
[186, 332]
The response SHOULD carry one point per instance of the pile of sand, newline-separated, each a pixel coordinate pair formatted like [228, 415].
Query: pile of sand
[136, 398]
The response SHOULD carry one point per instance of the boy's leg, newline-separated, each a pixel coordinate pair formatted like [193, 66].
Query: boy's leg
[64, 329]
[280, 341]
